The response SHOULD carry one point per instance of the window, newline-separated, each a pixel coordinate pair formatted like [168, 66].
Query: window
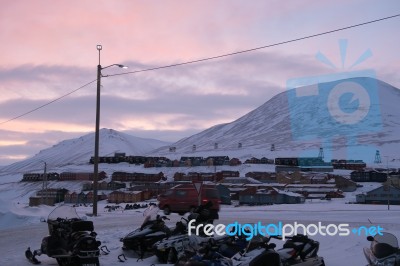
[181, 193]
[210, 193]
[168, 192]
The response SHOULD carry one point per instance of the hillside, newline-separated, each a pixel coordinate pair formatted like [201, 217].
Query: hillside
[79, 150]
[282, 123]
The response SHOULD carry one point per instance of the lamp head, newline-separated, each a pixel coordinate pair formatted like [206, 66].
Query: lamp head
[99, 47]
[122, 66]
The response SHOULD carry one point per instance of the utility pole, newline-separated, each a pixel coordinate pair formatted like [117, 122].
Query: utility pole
[388, 181]
[44, 186]
[97, 131]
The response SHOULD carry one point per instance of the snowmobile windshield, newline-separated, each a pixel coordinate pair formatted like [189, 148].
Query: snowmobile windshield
[150, 213]
[63, 212]
[387, 238]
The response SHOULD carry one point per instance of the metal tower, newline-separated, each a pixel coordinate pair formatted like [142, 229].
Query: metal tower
[378, 157]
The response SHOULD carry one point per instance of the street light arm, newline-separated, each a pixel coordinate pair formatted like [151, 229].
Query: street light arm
[118, 65]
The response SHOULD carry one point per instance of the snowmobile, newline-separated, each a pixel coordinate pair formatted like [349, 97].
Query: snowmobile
[298, 250]
[207, 254]
[142, 239]
[71, 240]
[384, 250]
[258, 252]
[221, 250]
[170, 248]
[232, 251]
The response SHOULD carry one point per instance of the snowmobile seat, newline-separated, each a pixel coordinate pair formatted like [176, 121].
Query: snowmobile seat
[294, 245]
[382, 250]
[82, 226]
[297, 242]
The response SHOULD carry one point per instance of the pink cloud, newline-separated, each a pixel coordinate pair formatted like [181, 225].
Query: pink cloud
[48, 32]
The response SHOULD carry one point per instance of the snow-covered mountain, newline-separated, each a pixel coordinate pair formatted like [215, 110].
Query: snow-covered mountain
[78, 151]
[279, 122]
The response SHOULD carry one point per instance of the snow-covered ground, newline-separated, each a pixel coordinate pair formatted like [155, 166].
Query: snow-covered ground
[20, 225]
[21, 228]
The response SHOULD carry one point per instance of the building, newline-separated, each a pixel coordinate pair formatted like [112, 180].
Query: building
[217, 160]
[303, 164]
[235, 162]
[394, 180]
[253, 196]
[224, 194]
[315, 191]
[265, 177]
[213, 177]
[82, 197]
[49, 196]
[33, 177]
[348, 164]
[344, 184]
[263, 160]
[368, 176]
[72, 176]
[136, 177]
[125, 196]
[382, 195]
[113, 185]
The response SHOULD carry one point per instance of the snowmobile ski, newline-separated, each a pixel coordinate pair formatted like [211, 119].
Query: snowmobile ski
[31, 256]
[122, 258]
[105, 250]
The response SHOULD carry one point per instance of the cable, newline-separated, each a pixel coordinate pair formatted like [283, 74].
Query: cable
[257, 48]
[37, 108]
[207, 59]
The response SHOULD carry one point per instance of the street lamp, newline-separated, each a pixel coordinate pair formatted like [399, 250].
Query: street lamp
[96, 140]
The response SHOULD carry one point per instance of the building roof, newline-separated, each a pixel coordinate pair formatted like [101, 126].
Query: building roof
[379, 188]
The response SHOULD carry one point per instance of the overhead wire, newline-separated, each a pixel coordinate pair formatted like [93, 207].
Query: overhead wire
[48, 103]
[205, 59]
[254, 49]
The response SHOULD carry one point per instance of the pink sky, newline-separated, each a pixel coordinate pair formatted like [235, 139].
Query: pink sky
[48, 49]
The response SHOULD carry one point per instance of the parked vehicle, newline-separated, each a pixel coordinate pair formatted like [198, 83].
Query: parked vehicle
[71, 240]
[171, 248]
[298, 250]
[207, 255]
[257, 253]
[232, 251]
[184, 198]
[383, 251]
[153, 229]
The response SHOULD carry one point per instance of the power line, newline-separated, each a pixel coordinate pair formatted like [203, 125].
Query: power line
[207, 59]
[41, 106]
[257, 48]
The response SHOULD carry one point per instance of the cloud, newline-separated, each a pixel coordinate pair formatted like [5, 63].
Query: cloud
[215, 91]
[18, 145]
[167, 104]
[46, 55]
